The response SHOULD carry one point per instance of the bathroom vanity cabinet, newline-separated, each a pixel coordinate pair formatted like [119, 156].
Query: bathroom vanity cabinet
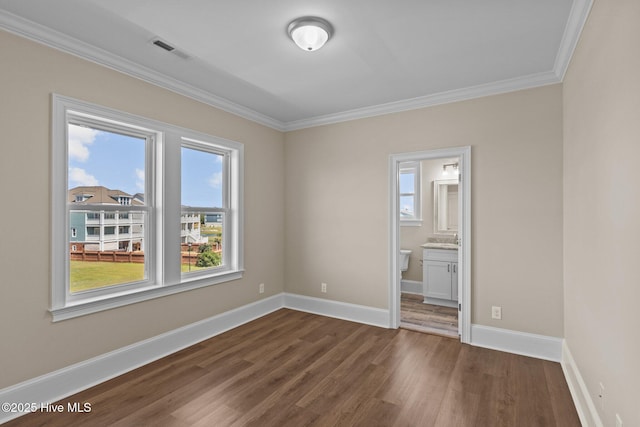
[440, 276]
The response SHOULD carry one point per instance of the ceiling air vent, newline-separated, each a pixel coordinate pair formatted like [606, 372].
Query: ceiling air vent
[163, 45]
[166, 46]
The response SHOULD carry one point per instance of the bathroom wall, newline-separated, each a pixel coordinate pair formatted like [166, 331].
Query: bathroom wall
[602, 208]
[411, 237]
[337, 204]
[31, 344]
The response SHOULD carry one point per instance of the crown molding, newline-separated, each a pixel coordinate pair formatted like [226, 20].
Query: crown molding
[577, 18]
[57, 40]
[575, 23]
[504, 86]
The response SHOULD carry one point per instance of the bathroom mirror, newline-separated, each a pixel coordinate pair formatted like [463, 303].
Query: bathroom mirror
[445, 206]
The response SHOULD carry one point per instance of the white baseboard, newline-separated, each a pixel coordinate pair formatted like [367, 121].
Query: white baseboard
[411, 287]
[532, 345]
[64, 382]
[585, 406]
[340, 310]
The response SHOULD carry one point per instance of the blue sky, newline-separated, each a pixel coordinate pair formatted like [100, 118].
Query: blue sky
[117, 162]
[407, 185]
[201, 178]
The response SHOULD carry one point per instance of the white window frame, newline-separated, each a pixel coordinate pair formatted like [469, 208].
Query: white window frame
[162, 204]
[416, 169]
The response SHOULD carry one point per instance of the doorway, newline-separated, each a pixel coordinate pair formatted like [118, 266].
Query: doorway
[458, 268]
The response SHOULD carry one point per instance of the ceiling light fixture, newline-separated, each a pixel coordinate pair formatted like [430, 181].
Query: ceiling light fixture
[310, 33]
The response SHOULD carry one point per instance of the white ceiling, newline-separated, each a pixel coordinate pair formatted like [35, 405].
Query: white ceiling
[384, 56]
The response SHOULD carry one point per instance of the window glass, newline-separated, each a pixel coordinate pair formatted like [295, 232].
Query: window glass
[407, 208]
[203, 210]
[105, 170]
[409, 186]
[202, 178]
[407, 182]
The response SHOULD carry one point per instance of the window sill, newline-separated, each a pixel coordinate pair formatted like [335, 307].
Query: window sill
[106, 303]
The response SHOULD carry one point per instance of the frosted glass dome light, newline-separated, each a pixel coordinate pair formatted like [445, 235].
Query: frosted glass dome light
[310, 33]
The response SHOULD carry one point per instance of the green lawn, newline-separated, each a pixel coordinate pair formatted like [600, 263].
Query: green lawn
[85, 275]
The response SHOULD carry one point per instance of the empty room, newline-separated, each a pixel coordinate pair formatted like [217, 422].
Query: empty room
[336, 213]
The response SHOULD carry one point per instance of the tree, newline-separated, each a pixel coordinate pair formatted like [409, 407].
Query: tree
[208, 259]
[206, 256]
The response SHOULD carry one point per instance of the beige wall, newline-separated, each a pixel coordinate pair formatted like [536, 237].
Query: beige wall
[336, 184]
[411, 237]
[602, 207]
[31, 344]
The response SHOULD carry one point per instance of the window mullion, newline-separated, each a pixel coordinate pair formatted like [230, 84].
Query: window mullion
[169, 209]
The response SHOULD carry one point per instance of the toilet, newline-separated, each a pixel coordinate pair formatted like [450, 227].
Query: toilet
[404, 260]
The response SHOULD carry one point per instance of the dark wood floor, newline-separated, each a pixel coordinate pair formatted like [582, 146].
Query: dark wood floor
[298, 369]
[433, 319]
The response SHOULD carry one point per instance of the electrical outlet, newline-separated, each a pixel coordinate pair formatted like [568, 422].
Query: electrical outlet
[261, 288]
[618, 421]
[601, 396]
[496, 312]
[323, 288]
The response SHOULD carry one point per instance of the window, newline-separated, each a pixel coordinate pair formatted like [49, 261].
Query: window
[113, 180]
[410, 191]
[203, 194]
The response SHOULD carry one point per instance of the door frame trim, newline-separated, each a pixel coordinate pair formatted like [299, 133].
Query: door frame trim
[464, 252]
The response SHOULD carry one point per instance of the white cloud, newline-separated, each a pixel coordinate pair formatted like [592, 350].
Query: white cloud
[80, 177]
[215, 180]
[79, 140]
[140, 179]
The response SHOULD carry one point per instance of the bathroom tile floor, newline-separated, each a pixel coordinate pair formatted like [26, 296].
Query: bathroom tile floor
[432, 319]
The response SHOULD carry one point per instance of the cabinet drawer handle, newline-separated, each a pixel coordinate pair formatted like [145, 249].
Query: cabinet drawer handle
[448, 268]
[454, 268]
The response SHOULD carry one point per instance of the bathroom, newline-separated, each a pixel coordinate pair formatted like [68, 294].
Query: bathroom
[429, 215]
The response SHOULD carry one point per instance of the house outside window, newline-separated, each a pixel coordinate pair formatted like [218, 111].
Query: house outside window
[119, 223]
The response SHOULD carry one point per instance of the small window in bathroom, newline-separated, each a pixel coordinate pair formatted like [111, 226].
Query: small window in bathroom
[410, 204]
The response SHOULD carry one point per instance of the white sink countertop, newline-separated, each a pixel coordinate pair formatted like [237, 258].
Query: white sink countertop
[438, 245]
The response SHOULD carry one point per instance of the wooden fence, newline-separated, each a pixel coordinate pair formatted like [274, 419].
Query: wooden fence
[188, 257]
[107, 256]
